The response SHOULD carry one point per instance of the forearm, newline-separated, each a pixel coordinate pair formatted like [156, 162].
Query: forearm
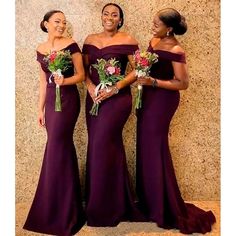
[173, 84]
[77, 78]
[129, 79]
[42, 97]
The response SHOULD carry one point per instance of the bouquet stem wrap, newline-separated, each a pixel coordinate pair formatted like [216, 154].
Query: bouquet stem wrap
[58, 94]
[138, 98]
[95, 107]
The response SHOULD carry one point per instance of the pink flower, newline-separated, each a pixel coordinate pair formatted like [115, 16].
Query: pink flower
[111, 70]
[144, 62]
[52, 56]
[137, 56]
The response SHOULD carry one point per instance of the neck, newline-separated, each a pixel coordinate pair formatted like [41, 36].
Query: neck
[110, 33]
[167, 38]
[52, 41]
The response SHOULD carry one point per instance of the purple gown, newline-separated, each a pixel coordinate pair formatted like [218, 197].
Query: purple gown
[157, 188]
[57, 206]
[108, 195]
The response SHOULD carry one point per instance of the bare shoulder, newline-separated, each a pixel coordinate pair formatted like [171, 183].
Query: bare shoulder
[69, 41]
[127, 38]
[41, 46]
[90, 38]
[177, 49]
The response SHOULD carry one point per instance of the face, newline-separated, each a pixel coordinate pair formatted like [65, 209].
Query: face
[159, 29]
[110, 18]
[56, 24]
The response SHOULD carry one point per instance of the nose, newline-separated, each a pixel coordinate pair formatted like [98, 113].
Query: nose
[109, 17]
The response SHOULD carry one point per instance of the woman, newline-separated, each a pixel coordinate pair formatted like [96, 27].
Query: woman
[157, 188]
[57, 206]
[108, 195]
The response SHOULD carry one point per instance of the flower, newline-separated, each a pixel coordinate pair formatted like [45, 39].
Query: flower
[109, 74]
[58, 62]
[111, 70]
[143, 61]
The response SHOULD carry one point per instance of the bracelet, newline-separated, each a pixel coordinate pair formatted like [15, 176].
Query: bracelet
[115, 89]
[154, 83]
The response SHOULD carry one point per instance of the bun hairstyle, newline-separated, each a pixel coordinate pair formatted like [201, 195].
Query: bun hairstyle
[46, 17]
[172, 18]
[120, 11]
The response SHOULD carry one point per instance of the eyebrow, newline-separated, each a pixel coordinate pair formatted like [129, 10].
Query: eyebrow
[60, 19]
[111, 12]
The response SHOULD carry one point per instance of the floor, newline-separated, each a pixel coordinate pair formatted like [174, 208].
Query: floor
[124, 229]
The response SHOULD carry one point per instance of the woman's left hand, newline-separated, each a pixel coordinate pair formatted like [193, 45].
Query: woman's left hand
[145, 81]
[59, 80]
[106, 93]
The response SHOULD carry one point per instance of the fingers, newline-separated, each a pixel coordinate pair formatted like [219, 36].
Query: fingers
[58, 79]
[41, 122]
[144, 80]
[103, 94]
[41, 119]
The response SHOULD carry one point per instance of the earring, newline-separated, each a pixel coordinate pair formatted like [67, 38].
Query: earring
[120, 24]
[167, 33]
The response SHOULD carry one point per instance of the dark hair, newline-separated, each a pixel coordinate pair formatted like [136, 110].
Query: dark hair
[47, 17]
[120, 11]
[172, 18]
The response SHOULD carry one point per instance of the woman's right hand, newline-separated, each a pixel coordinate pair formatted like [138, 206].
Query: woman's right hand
[41, 119]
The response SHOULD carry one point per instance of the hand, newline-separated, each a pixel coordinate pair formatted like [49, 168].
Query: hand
[58, 79]
[106, 93]
[145, 81]
[41, 119]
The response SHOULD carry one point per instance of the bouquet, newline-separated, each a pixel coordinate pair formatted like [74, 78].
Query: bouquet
[143, 61]
[109, 74]
[58, 62]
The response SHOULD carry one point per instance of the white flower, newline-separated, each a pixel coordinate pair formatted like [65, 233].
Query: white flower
[140, 87]
[140, 73]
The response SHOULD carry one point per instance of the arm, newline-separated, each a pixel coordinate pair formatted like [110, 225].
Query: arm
[88, 82]
[42, 97]
[129, 78]
[180, 80]
[77, 77]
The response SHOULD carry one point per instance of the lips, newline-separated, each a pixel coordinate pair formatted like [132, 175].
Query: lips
[108, 23]
[60, 31]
